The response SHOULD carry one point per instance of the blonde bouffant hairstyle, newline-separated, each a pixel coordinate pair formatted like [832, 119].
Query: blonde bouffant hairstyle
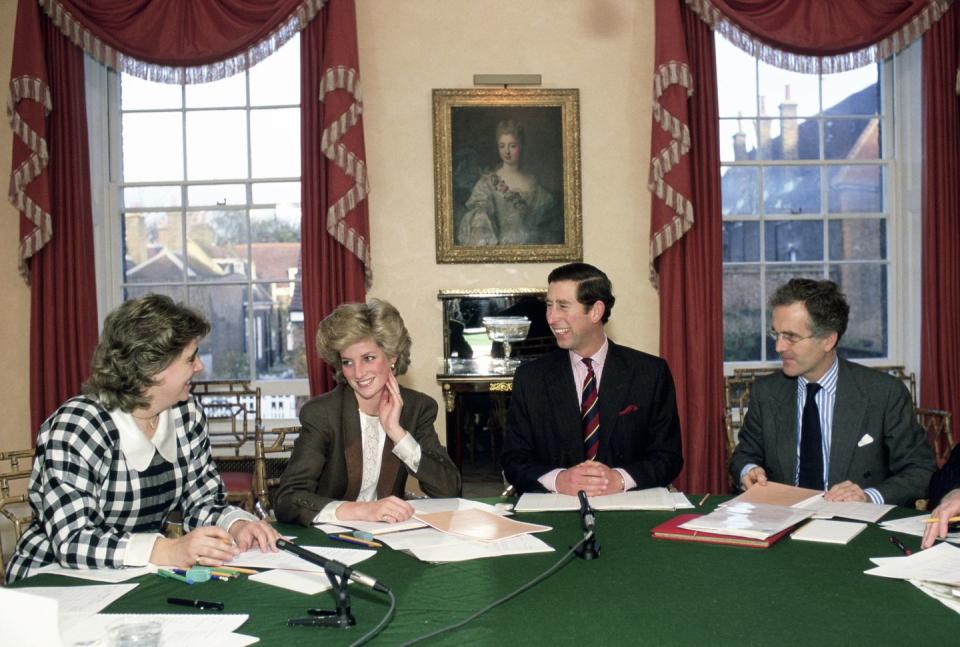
[376, 320]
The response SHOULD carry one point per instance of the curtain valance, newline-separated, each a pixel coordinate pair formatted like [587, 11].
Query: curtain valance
[180, 41]
[827, 36]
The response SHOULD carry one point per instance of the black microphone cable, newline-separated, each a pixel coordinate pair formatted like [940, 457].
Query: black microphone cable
[509, 596]
[383, 623]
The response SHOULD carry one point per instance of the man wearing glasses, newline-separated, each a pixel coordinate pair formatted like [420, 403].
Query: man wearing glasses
[826, 423]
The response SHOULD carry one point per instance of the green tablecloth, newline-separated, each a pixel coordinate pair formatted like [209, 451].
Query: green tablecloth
[640, 591]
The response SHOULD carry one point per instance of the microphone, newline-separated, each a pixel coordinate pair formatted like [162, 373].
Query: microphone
[332, 566]
[586, 513]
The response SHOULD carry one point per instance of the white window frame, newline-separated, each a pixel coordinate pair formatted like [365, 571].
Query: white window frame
[103, 123]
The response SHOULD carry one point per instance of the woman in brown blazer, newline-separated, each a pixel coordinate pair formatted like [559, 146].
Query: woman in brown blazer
[360, 440]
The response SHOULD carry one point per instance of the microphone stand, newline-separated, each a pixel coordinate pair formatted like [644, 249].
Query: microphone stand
[589, 548]
[338, 574]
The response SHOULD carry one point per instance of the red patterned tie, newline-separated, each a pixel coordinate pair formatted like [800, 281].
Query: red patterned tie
[589, 413]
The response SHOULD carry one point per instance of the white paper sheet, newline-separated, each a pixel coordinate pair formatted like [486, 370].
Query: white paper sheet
[680, 501]
[914, 526]
[288, 561]
[650, 499]
[948, 595]
[81, 600]
[829, 532]
[420, 538]
[423, 506]
[16, 607]
[109, 575]
[299, 581]
[855, 510]
[178, 629]
[941, 563]
[467, 550]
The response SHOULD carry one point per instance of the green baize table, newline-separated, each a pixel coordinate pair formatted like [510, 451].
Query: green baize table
[641, 591]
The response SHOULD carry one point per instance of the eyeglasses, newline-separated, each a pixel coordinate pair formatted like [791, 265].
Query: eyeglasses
[788, 338]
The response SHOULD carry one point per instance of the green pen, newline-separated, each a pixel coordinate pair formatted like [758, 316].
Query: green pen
[173, 576]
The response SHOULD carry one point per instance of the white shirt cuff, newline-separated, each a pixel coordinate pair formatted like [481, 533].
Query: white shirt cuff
[549, 480]
[139, 547]
[232, 515]
[628, 482]
[874, 495]
[743, 472]
[329, 513]
[408, 450]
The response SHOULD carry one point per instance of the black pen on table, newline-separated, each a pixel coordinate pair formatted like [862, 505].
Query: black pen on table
[899, 544]
[196, 604]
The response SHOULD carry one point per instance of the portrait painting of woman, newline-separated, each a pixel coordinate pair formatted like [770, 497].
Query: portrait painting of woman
[507, 172]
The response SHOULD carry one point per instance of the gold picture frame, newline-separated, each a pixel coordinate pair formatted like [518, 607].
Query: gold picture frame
[518, 205]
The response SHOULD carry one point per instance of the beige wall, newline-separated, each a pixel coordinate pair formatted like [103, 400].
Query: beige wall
[14, 295]
[602, 47]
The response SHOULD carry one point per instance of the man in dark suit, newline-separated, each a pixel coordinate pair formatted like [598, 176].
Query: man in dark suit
[592, 415]
[856, 437]
[945, 495]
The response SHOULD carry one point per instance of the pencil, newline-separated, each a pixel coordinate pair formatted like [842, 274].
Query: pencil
[704, 499]
[350, 539]
[937, 519]
[237, 569]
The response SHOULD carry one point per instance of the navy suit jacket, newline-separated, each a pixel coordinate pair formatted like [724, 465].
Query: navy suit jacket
[639, 425]
[945, 479]
[875, 442]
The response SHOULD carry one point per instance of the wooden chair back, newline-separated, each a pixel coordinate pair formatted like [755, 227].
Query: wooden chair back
[273, 449]
[15, 467]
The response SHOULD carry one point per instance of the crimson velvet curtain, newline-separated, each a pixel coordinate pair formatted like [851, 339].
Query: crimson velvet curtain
[940, 336]
[174, 41]
[686, 236]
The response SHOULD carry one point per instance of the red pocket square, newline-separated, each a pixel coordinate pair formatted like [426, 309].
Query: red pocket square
[630, 408]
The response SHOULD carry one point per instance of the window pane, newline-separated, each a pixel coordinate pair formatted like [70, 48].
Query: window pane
[791, 189]
[793, 240]
[275, 141]
[738, 140]
[790, 139]
[280, 225]
[274, 192]
[152, 247]
[742, 327]
[276, 80]
[854, 240]
[280, 350]
[741, 242]
[740, 190]
[788, 93]
[138, 94]
[224, 350]
[152, 147]
[736, 80]
[151, 196]
[215, 249]
[865, 286]
[856, 92]
[208, 195]
[216, 145]
[230, 91]
[175, 292]
[855, 189]
[852, 138]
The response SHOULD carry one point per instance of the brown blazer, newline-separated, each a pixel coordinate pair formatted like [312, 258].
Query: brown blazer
[327, 460]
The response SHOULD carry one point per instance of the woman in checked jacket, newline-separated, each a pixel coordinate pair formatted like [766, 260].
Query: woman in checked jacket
[113, 462]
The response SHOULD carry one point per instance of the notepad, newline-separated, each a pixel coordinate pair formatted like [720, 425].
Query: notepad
[829, 532]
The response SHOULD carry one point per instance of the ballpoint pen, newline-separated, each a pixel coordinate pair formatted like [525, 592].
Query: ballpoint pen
[196, 604]
[355, 540]
[896, 542]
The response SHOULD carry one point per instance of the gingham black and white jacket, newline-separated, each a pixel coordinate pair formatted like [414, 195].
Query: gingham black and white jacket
[86, 501]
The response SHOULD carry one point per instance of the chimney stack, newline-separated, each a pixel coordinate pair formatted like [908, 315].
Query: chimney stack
[789, 134]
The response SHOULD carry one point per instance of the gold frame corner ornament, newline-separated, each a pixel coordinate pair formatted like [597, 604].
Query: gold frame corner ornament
[444, 101]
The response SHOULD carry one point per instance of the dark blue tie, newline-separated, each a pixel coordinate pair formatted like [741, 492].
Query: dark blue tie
[811, 442]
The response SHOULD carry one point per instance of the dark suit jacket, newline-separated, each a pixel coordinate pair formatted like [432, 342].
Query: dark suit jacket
[639, 425]
[327, 460]
[945, 479]
[897, 462]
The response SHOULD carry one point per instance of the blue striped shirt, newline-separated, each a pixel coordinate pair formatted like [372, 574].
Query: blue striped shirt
[826, 400]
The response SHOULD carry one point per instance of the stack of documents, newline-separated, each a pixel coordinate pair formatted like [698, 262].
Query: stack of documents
[935, 571]
[422, 506]
[651, 499]
[802, 498]
[752, 520]
[829, 532]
